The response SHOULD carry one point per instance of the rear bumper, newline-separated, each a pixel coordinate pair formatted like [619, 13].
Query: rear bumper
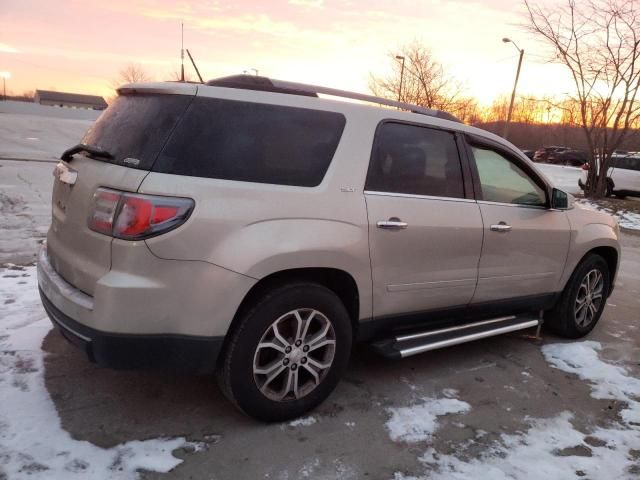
[126, 351]
[160, 332]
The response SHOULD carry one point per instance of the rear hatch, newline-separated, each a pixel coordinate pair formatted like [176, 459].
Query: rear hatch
[133, 130]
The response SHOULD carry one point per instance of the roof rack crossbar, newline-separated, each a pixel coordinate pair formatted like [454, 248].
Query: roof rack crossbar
[360, 96]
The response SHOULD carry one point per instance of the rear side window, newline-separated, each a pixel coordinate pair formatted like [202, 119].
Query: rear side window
[252, 142]
[135, 127]
[415, 160]
[627, 163]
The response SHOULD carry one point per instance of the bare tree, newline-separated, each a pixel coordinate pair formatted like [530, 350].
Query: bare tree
[424, 82]
[131, 73]
[176, 76]
[599, 43]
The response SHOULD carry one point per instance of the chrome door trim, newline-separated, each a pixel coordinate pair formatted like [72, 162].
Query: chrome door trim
[501, 204]
[425, 197]
[406, 287]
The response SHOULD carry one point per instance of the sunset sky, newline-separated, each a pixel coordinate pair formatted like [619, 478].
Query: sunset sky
[79, 46]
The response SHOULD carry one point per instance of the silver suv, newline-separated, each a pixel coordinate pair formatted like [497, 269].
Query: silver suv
[252, 228]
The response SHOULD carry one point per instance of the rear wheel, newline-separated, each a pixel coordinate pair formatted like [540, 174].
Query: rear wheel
[609, 190]
[583, 299]
[287, 353]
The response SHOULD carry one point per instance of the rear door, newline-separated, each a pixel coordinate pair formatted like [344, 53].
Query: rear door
[133, 129]
[625, 174]
[425, 232]
[525, 242]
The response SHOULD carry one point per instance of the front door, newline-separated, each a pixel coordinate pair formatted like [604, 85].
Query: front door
[525, 242]
[425, 233]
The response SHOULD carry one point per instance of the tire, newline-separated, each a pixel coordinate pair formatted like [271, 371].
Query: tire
[609, 190]
[243, 376]
[567, 318]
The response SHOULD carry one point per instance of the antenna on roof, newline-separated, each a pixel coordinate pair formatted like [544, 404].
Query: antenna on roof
[182, 51]
[194, 66]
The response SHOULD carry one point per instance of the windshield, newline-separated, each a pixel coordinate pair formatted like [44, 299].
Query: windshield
[135, 127]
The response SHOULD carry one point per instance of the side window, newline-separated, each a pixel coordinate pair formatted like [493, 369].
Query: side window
[627, 163]
[503, 181]
[252, 142]
[415, 160]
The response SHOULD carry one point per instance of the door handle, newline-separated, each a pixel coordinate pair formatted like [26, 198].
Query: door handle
[501, 227]
[393, 223]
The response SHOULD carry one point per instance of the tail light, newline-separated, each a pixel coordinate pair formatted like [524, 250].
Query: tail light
[133, 216]
[585, 166]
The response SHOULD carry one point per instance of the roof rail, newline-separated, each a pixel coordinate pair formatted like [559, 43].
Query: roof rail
[254, 82]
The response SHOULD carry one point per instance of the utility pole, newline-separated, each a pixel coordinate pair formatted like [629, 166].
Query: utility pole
[515, 85]
[4, 76]
[400, 57]
[182, 51]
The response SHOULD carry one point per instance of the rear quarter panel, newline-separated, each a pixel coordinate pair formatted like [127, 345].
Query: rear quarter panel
[258, 229]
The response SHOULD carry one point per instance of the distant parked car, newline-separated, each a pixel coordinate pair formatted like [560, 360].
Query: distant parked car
[528, 153]
[542, 154]
[623, 177]
[569, 157]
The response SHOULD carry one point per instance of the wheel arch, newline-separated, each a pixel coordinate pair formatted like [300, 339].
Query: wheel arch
[610, 255]
[338, 281]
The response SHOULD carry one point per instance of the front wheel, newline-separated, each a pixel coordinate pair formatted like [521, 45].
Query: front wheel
[583, 299]
[287, 353]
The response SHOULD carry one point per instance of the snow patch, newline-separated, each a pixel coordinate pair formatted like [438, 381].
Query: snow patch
[303, 422]
[419, 422]
[543, 453]
[553, 448]
[625, 218]
[32, 442]
[608, 382]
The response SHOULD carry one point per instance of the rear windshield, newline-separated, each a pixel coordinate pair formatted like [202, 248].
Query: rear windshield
[135, 127]
[252, 142]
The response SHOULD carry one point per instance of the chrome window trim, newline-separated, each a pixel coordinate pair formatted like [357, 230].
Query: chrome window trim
[502, 204]
[424, 197]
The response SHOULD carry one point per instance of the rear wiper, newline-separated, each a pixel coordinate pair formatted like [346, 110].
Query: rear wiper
[81, 147]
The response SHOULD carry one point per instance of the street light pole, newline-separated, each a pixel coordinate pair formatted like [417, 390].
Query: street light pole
[4, 76]
[400, 57]
[515, 85]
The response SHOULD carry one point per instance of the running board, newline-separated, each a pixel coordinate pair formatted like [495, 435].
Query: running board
[402, 346]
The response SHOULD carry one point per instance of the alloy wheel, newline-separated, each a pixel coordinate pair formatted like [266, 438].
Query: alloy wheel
[294, 355]
[589, 298]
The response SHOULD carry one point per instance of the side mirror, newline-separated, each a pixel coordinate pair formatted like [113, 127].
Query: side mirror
[561, 200]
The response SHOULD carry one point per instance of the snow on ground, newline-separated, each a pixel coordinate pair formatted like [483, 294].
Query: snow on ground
[553, 448]
[608, 381]
[33, 444]
[626, 219]
[303, 422]
[417, 423]
[565, 178]
[38, 137]
[32, 108]
[25, 209]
